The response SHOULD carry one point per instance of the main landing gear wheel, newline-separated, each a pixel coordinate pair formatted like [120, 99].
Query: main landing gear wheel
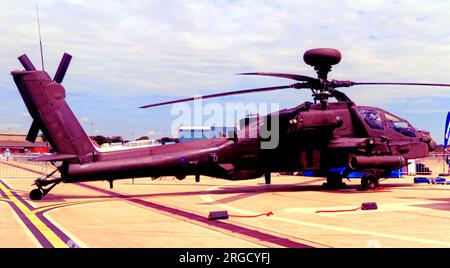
[334, 181]
[370, 181]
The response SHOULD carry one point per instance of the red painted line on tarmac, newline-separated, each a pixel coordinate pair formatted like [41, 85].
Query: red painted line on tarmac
[281, 241]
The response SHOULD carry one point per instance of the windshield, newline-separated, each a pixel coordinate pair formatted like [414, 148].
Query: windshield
[373, 118]
[400, 126]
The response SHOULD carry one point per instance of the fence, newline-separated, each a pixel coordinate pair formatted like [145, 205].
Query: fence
[21, 167]
[434, 164]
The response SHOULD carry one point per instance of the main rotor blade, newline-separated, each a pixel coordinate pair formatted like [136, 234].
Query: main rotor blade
[238, 92]
[296, 77]
[400, 84]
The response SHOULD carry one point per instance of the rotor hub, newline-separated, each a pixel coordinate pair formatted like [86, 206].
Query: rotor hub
[322, 59]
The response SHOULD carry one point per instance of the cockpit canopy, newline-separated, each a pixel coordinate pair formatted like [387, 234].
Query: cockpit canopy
[379, 119]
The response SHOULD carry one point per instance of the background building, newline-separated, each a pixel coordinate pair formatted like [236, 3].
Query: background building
[193, 133]
[17, 144]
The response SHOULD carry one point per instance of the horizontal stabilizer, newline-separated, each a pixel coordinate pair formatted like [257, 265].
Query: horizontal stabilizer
[57, 157]
[33, 132]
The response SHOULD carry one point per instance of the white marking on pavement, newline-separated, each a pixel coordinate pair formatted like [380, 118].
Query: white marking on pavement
[209, 199]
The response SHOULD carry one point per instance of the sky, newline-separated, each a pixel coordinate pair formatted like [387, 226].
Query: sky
[131, 53]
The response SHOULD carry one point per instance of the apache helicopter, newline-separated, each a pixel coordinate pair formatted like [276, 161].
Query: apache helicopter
[314, 136]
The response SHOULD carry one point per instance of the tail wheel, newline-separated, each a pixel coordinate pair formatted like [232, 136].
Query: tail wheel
[369, 181]
[36, 194]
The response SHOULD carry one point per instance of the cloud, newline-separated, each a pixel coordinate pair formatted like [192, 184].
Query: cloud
[194, 46]
[84, 118]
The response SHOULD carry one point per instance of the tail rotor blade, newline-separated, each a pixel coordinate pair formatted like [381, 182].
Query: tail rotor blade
[62, 68]
[34, 131]
[26, 63]
[217, 95]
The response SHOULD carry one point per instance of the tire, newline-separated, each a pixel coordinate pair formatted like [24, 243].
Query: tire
[369, 181]
[36, 194]
[334, 180]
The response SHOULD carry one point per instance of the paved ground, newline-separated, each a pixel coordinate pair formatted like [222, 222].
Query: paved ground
[171, 213]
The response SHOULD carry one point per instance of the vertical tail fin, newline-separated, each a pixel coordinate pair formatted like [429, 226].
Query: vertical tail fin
[45, 101]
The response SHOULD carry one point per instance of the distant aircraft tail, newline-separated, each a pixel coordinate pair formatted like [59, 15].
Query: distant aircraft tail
[447, 132]
[45, 101]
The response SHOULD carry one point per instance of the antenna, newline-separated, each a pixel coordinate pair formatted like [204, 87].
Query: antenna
[40, 37]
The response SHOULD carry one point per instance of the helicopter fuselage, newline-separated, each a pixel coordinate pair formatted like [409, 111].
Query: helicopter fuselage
[310, 138]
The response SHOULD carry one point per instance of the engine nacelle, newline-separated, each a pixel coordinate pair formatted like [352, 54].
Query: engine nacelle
[318, 120]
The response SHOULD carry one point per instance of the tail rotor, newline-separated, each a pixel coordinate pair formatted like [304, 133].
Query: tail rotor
[62, 68]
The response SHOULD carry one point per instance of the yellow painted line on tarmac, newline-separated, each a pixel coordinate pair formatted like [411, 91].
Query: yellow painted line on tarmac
[31, 216]
[209, 199]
